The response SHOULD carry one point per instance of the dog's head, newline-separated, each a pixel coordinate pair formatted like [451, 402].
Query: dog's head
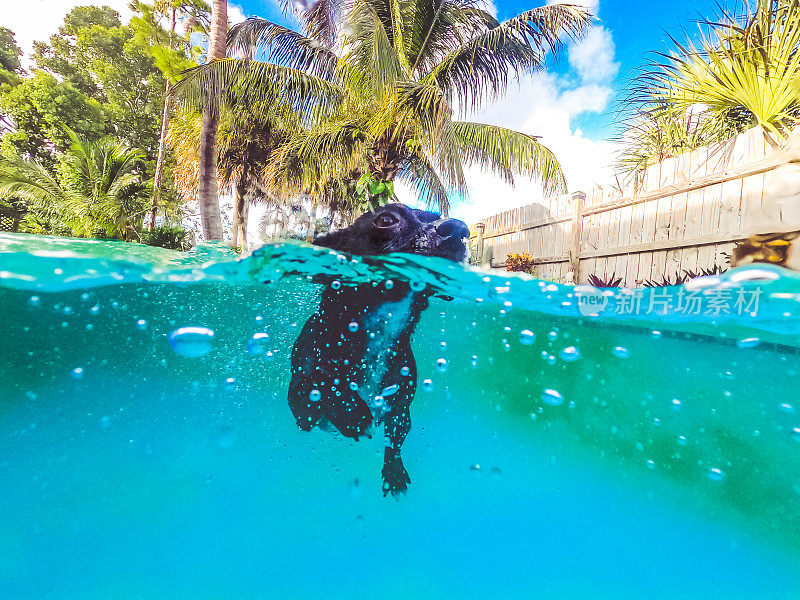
[398, 228]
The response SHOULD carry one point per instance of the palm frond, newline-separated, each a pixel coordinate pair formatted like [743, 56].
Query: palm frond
[509, 153]
[421, 175]
[479, 70]
[257, 83]
[282, 46]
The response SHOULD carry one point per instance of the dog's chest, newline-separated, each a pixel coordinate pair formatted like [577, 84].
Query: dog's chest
[382, 328]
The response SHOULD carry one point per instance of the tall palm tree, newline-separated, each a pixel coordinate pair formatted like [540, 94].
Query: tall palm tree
[377, 86]
[207, 188]
[97, 190]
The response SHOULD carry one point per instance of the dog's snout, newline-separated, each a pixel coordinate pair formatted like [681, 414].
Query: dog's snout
[452, 228]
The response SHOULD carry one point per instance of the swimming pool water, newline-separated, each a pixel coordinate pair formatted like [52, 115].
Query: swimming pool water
[557, 452]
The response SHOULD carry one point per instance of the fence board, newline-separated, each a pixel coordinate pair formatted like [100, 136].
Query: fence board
[686, 215]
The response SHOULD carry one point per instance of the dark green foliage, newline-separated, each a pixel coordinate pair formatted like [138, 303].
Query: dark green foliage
[681, 278]
[173, 237]
[611, 282]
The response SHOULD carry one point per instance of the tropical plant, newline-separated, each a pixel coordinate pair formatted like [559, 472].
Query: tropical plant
[745, 71]
[376, 85]
[173, 237]
[610, 282]
[520, 261]
[96, 190]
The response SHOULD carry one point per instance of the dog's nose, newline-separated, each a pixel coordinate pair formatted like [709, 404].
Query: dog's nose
[452, 228]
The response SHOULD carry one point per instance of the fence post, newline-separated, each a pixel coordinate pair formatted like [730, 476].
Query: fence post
[577, 231]
[480, 226]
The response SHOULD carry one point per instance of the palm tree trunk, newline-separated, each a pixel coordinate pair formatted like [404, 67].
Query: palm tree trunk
[312, 222]
[162, 141]
[207, 177]
[243, 225]
[238, 208]
[162, 148]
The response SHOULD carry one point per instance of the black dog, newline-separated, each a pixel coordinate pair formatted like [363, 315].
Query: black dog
[352, 365]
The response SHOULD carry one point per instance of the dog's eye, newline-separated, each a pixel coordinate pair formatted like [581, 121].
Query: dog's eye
[386, 220]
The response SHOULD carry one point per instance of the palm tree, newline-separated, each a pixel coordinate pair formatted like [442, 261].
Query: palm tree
[97, 189]
[377, 97]
[207, 183]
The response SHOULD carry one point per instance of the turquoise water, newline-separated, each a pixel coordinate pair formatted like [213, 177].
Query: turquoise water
[564, 452]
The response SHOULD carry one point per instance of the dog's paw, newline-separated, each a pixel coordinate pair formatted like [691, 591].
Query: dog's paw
[395, 476]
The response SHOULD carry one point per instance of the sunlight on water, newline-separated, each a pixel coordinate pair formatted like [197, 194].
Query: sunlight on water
[565, 444]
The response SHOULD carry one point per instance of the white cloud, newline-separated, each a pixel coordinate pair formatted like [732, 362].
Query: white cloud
[546, 104]
[593, 56]
[542, 107]
[235, 14]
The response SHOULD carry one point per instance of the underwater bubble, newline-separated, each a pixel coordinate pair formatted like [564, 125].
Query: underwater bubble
[570, 354]
[552, 397]
[551, 360]
[269, 354]
[336, 284]
[656, 333]
[95, 309]
[715, 474]
[389, 284]
[141, 324]
[378, 401]
[796, 434]
[353, 326]
[682, 440]
[552, 336]
[651, 464]
[67, 310]
[621, 352]
[526, 337]
[441, 365]
[353, 386]
[77, 373]
[676, 404]
[417, 286]
[34, 301]
[474, 361]
[192, 341]
[405, 371]
[315, 395]
[229, 383]
[390, 389]
[750, 342]
[427, 385]
[257, 343]
[786, 407]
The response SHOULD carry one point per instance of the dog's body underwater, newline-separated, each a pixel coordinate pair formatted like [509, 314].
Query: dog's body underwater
[352, 365]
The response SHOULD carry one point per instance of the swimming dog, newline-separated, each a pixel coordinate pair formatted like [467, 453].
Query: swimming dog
[352, 365]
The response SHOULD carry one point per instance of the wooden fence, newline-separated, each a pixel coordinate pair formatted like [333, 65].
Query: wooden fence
[683, 214]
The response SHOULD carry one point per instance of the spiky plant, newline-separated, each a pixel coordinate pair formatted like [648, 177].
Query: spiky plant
[97, 189]
[611, 282]
[745, 71]
[378, 84]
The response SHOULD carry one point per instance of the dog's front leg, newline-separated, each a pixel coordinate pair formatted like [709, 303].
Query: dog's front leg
[395, 476]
